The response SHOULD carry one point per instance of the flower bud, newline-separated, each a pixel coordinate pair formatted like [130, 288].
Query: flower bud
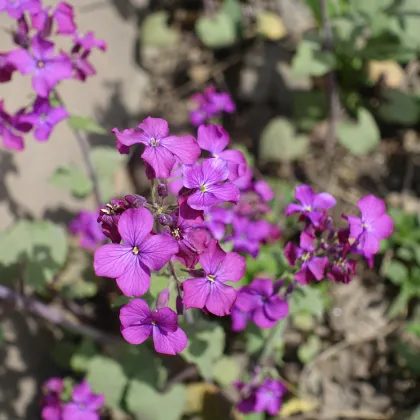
[163, 299]
[162, 190]
[179, 306]
[166, 219]
[135, 201]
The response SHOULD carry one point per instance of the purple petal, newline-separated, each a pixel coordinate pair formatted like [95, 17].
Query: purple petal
[135, 281]
[135, 312]
[157, 250]
[236, 163]
[57, 114]
[42, 48]
[383, 226]
[203, 200]
[166, 319]
[232, 268]
[317, 265]
[135, 225]
[193, 176]
[170, 343]
[130, 136]
[51, 413]
[225, 193]
[247, 300]
[291, 253]
[304, 275]
[276, 308]
[12, 141]
[259, 317]
[163, 299]
[212, 258]
[196, 292]
[307, 241]
[356, 228]
[212, 138]
[305, 195]
[369, 243]
[185, 148]
[72, 411]
[324, 201]
[81, 392]
[239, 319]
[294, 208]
[214, 171]
[156, 128]
[23, 61]
[220, 299]
[137, 334]
[160, 159]
[64, 16]
[111, 260]
[262, 287]
[371, 208]
[95, 402]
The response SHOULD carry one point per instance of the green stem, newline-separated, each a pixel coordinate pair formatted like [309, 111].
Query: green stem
[269, 344]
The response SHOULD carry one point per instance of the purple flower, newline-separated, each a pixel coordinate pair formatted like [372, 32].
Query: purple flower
[206, 181]
[210, 291]
[313, 267]
[47, 70]
[161, 150]
[6, 68]
[88, 42]
[343, 270]
[217, 218]
[312, 205]
[52, 389]
[63, 15]
[372, 226]
[264, 190]
[44, 118]
[245, 181]
[10, 128]
[262, 301]
[215, 139]
[248, 235]
[21, 34]
[90, 232]
[130, 263]
[175, 181]
[217, 102]
[16, 8]
[239, 318]
[85, 404]
[138, 323]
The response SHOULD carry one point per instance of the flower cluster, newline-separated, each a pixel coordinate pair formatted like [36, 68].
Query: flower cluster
[84, 404]
[325, 251]
[210, 105]
[35, 55]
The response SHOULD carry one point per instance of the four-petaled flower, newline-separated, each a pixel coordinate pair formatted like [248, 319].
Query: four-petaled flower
[130, 263]
[63, 15]
[161, 150]
[312, 205]
[207, 182]
[47, 69]
[85, 404]
[138, 323]
[215, 139]
[372, 226]
[209, 290]
[16, 8]
[262, 301]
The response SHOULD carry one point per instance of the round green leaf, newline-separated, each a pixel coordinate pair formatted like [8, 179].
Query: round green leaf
[226, 370]
[396, 271]
[156, 32]
[72, 179]
[216, 31]
[85, 124]
[399, 108]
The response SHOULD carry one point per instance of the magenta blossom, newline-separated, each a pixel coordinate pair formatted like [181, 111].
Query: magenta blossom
[311, 205]
[85, 404]
[217, 218]
[47, 70]
[16, 8]
[262, 301]
[85, 224]
[6, 68]
[62, 15]
[215, 139]
[11, 128]
[313, 267]
[43, 118]
[239, 318]
[209, 290]
[51, 402]
[175, 181]
[207, 182]
[138, 323]
[161, 150]
[372, 226]
[130, 263]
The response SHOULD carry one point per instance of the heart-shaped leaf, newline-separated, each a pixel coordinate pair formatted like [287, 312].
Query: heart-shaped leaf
[216, 31]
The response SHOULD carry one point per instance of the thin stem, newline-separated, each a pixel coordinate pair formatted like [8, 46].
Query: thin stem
[269, 344]
[55, 316]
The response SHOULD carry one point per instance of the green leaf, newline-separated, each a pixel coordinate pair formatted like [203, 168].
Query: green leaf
[147, 403]
[255, 338]
[216, 31]
[279, 142]
[415, 415]
[310, 349]
[370, 8]
[206, 342]
[120, 301]
[226, 370]
[405, 254]
[400, 303]
[106, 376]
[359, 137]
[72, 179]
[399, 108]
[85, 124]
[157, 284]
[396, 271]
[409, 355]
[155, 31]
[106, 162]
[232, 8]
[413, 327]
[309, 108]
[308, 299]
[310, 60]
[80, 358]
[254, 416]
[304, 321]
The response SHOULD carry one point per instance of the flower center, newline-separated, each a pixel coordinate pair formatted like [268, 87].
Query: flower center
[176, 233]
[306, 256]
[40, 64]
[308, 208]
[135, 250]
[211, 278]
[154, 142]
[203, 188]
[153, 323]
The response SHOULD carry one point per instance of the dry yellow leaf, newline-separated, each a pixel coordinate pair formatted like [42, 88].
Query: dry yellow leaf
[295, 406]
[271, 26]
[391, 70]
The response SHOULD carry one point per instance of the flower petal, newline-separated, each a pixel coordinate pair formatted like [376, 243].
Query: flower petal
[95, 402]
[214, 171]
[239, 319]
[259, 317]
[317, 265]
[371, 208]
[276, 308]
[135, 281]
[156, 128]
[232, 269]
[135, 225]
[137, 334]
[324, 201]
[305, 194]
[212, 258]
[160, 159]
[166, 319]
[22, 60]
[192, 176]
[247, 300]
[213, 138]
[130, 136]
[221, 299]
[169, 343]
[81, 392]
[157, 250]
[225, 193]
[135, 312]
[262, 287]
[196, 292]
[383, 226]
[185, 148]
[112, 260]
